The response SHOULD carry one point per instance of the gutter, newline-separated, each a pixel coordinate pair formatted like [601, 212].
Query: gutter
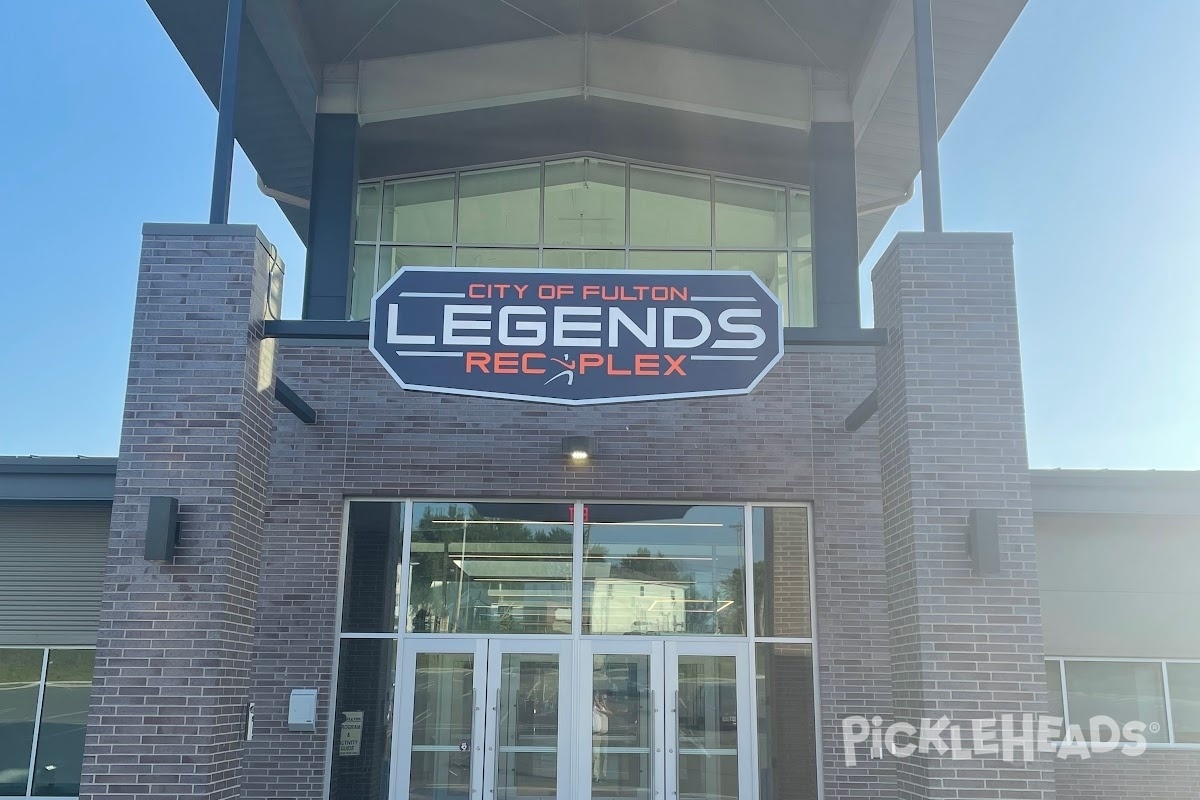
[284, 197]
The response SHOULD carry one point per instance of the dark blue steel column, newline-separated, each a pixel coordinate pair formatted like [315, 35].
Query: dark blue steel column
[931, 178]
[218, 213]
[834, 224]
[331, 213]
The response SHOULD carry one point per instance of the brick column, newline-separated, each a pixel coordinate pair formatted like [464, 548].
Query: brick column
[174, 643]
[952, 438]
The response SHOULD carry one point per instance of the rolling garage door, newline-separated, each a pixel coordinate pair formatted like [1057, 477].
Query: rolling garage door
[51, 572]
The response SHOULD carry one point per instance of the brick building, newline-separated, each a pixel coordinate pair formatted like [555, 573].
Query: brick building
[300, 580]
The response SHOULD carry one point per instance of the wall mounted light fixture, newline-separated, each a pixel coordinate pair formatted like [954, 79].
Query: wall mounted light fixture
[579, 449]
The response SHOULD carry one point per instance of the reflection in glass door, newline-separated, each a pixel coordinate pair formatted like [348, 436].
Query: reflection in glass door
[708, 721]
[666, 719]
[622, 695]
[528, 720]
[439, 753]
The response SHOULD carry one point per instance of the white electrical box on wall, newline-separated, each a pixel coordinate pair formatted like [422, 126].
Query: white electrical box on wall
[302, 710]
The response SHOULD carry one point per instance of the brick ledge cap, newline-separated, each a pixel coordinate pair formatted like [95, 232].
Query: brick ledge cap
[205, 229]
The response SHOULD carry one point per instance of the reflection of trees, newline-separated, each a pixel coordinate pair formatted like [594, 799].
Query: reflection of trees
[658, 566]
[457, 528]
[733, 587]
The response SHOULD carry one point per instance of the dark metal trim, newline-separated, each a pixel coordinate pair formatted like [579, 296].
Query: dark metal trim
[866, 409]
[872, 337]
[315, 329]
[927, 132]
[218, 213]
[288, 398]
[30, 479]
[58, 465]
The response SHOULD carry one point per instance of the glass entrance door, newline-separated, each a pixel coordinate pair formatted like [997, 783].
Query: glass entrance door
[528, 721]
[482, 719]
[621, 689]
[439, 746]
[667, 719]
[709, 721]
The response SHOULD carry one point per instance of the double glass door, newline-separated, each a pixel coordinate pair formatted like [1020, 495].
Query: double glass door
[506, 719]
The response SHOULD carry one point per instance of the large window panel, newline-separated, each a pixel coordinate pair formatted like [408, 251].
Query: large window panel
[362, 281]
[419, 210]
[366, 223]
[664, 569]
[1185, 701]
[392, 258]
[799, 219]
[586, 212]
[373, 545]
[771, 269]
[585, 203]
[782, 592]
[669, 209]
[500, 206]
[749, 215]
[1124, 690]
[64, 722]
[670, 259]
[362, 722]
[583, 259]
[787, 746]
[801, 305]
[490, 568]
[20, 678]
[502, 257]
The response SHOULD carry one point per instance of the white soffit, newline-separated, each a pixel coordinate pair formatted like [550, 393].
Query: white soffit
[581, 66]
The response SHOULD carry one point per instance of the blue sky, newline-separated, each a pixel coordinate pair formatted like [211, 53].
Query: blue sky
[1080, 139]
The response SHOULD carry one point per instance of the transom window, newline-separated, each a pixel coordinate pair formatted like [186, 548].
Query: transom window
[586, 212]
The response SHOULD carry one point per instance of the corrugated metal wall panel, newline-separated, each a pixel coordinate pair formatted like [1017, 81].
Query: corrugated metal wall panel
[51, 572]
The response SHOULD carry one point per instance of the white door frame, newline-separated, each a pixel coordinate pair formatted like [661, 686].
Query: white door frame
[405, 697]
[740, 651]
[652, 648]
[497, 648]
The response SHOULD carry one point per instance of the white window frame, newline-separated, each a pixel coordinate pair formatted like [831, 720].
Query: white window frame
[749, 639]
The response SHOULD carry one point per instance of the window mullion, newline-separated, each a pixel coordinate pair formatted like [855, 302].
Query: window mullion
[577, 566]
[1062, 682]
[37, 722]
[749, 603]
[1166, 681]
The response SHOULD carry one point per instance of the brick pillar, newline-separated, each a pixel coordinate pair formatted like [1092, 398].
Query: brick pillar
[952, 438]
[174, 643]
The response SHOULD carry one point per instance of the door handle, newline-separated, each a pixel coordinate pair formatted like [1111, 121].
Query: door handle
[653, 741]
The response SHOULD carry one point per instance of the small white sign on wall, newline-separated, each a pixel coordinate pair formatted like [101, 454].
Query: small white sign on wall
[350, 733]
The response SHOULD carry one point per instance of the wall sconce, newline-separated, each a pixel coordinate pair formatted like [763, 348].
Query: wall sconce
[162, 529]
[579, 449]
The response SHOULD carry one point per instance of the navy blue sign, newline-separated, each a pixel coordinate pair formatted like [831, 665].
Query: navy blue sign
[576, 337]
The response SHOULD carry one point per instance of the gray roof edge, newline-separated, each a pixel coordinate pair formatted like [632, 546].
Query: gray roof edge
[1165, 492]
[58, 465]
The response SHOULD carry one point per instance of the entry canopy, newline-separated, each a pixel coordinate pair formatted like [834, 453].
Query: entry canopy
[728, 86]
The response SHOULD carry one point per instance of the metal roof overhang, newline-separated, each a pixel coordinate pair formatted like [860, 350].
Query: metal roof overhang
[25, 479]
[289, 46]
